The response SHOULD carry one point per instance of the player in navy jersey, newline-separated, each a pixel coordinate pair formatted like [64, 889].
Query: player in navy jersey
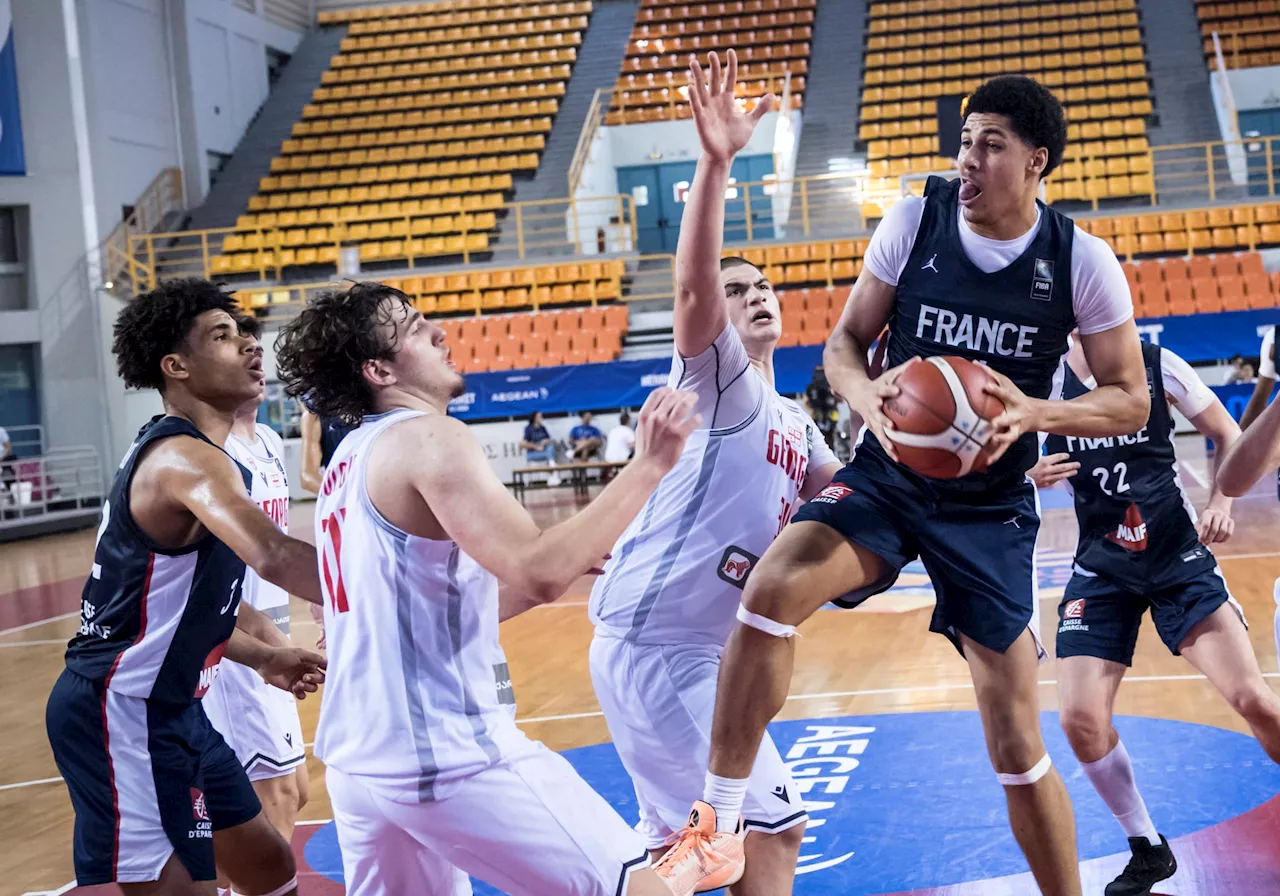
[978, 268]
[1142, 547]
[156, 790]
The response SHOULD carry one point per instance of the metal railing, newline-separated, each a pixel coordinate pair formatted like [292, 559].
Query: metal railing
[65, 480]
[609, 102]
[1232, 45]
[538, 229]
[162, 197]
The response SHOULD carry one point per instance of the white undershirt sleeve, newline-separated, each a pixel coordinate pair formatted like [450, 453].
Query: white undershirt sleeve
[1099, 291]
[894, 238]
[1183, 385]
[728, 389]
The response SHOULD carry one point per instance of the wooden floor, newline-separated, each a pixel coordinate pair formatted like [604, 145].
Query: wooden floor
[877, 660]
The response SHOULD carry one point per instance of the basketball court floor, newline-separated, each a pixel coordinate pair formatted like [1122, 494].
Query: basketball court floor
[880, 728]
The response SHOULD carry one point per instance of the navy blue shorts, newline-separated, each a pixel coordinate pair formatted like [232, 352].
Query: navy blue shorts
[1100, 618]
[977, 546]
[147, 779]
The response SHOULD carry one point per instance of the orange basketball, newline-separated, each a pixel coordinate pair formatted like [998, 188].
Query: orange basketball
[942, 419]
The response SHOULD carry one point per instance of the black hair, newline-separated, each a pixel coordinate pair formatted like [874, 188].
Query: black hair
[157, 323]
[248, 325]
[321, 353]
[732, 261]
[625, 418]
[533, 418]
[1033, 111]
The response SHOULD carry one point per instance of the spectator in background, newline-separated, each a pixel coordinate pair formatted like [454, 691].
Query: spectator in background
[538, 447]
[822, 405]
[7, 476]
[621, 440]
[1241, 371]
[585, 440]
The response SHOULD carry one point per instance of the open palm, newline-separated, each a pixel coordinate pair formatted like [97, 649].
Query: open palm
[722, 129]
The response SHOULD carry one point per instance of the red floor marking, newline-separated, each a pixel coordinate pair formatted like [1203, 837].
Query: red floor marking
[28, 605]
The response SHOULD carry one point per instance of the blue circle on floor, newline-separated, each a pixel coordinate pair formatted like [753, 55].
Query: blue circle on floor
[908, 801]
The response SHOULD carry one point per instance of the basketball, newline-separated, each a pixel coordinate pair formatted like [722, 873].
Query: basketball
[942, 419]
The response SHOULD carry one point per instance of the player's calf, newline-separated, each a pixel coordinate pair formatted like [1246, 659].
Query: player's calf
[256, 858]
[770, 863]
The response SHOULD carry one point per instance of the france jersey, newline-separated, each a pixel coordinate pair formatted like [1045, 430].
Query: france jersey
[417, 691]
[154, 621]
[676, 574]
[1015, 319]
[1137, 528]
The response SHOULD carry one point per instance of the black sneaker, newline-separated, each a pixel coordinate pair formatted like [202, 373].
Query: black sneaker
[1149, 865]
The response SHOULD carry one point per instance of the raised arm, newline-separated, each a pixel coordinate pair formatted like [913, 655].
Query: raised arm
[208, 484]
[700, 312]
[454, 479]
[1266, 381]
[310, 467]
[1257, 451]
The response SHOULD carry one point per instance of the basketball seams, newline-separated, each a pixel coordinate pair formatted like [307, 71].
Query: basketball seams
[962, 436]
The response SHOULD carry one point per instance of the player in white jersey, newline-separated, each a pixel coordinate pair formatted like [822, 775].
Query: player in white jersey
[430, 778]
[259, 722]
[668, 598]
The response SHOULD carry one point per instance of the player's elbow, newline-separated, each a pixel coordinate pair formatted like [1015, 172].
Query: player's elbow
[544, 587]
[1134, 409]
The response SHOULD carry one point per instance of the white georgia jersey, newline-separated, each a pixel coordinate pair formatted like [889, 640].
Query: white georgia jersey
[676, 574]
[417, 692]
[264, 459]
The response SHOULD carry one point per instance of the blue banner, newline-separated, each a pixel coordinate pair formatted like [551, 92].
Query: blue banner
[12, 159]
[553, 390]
[1235, 398]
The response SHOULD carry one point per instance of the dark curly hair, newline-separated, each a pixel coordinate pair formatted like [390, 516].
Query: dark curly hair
[1032, 109]
[321, 353]
[157, 323]
[248, 325]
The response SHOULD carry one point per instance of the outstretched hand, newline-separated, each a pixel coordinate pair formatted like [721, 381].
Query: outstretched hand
[293, 669]
[723, 130]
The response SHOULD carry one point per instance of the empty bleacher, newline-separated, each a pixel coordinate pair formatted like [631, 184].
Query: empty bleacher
[1089, 52]
[410, 145]
[544, 339]
[771, 38]
[1249, 31]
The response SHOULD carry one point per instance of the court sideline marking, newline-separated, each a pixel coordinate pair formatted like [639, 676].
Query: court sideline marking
[825, 695]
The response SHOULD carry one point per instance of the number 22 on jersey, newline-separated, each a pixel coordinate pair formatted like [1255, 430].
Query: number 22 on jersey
[331, 560]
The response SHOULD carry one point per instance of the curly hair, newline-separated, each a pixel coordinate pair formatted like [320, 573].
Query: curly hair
[157, 323]
[1032, 110]
[248, 325]
[321, 353]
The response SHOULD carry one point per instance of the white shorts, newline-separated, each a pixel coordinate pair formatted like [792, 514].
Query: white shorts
[258, 721]
[527, 825]
[658, 701]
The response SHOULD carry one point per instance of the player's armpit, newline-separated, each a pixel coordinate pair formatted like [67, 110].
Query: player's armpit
[204, 480]
[1120, 404]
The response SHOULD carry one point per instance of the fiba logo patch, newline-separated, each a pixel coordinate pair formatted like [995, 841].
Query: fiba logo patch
[832, 493]
[735, 565]
[1042, 280]
[202, 829]
[1073, 616]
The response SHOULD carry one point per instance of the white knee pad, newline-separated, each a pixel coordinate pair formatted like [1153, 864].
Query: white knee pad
[282, 889]
[1038, 771]
[768, 626]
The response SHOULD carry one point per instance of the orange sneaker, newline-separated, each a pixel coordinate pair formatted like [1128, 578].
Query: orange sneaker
[701, 858]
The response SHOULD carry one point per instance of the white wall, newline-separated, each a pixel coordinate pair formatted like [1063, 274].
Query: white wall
[129, 83]
[224, 51]
[1256, 88]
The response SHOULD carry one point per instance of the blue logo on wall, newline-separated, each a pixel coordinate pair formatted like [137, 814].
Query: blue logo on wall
[908, 801]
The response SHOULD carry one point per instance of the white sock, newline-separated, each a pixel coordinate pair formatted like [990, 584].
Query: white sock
[1112, 777]
[725, 795]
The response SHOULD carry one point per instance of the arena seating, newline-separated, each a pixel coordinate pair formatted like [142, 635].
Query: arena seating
[543, 339]
[479, 290]
[409, 147]
[771, 38]
[1160, 287]
[1249, 32]
[1089, 52]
